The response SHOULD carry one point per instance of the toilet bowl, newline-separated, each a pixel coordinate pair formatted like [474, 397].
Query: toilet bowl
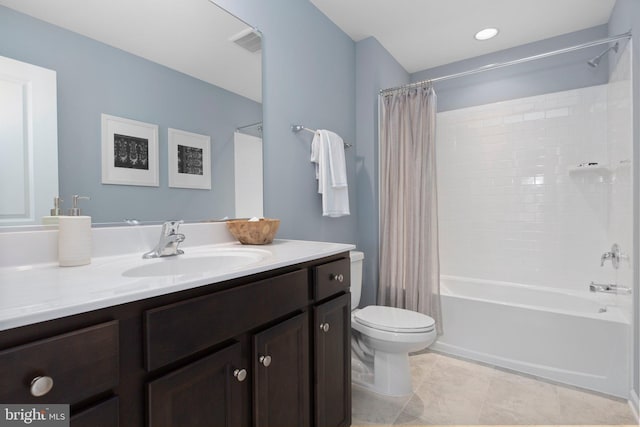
[382, 339]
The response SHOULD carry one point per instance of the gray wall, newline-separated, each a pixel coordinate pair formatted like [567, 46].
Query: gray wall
[557, 73]
[309, 78]
[375, 69]
[94, 78]
[625, 17]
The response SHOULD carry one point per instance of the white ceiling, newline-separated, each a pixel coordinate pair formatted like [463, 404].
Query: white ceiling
[190, 36]
[422, 34]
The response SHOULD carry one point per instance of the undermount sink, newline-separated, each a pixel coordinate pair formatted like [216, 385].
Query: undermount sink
[199, 263]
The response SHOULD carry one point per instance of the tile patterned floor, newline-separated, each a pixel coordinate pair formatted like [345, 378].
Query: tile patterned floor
[450, 391]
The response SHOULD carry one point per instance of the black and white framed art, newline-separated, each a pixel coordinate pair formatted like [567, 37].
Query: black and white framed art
[189, 160]
[129, 152]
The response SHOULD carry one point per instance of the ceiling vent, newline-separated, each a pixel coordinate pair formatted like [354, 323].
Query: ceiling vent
[248, 39]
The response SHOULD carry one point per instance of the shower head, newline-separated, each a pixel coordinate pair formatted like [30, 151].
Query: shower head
[596, 61]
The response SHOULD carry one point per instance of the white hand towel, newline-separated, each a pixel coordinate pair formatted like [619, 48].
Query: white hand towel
[327, 151]
[337, 162]
[315, 153]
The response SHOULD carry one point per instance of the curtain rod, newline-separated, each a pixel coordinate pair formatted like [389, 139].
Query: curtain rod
[488, 67]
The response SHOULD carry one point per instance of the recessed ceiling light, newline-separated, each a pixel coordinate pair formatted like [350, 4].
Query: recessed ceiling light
[486, 34]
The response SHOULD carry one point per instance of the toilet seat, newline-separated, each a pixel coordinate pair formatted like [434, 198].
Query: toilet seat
[392, 319]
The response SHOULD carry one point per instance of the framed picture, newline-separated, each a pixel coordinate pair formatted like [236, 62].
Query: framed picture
[189, 160]
[129, 152]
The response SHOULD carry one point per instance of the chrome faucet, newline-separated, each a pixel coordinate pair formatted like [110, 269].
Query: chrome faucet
[169, 241]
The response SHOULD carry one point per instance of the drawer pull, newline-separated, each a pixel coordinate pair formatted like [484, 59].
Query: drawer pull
[41, 385]
[240, 374]
[324, 327]
[337, 277]
[265, 360]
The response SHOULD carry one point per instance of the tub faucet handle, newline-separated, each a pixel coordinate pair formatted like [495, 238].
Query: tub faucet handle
[613, 255]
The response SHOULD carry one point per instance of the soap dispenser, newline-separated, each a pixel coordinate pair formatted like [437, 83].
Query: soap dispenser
[74, 236]
[55, 212]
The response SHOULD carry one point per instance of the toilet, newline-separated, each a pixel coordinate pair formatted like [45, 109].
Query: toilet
[382, 338]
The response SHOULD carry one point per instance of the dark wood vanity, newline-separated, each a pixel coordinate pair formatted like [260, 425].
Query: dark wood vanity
[270, 349]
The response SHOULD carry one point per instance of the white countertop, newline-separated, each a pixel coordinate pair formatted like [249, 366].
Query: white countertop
[39, 292]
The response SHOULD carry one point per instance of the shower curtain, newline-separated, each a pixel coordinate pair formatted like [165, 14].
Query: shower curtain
[409, 259]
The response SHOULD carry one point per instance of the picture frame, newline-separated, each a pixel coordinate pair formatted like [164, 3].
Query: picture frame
[129, 152]
[189, 160]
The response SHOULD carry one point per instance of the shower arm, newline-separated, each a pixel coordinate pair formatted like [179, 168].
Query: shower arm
[596, 61]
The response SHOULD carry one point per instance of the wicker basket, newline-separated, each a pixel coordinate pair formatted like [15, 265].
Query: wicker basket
[259, 232]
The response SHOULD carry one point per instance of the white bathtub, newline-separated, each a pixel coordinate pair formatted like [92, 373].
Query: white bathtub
[551, 334]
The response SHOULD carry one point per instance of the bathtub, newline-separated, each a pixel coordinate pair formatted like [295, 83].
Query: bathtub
[571, 338]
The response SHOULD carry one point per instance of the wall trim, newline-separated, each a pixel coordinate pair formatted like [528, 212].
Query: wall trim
[634, 404]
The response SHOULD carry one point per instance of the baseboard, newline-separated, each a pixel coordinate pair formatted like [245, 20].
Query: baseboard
[634, 404]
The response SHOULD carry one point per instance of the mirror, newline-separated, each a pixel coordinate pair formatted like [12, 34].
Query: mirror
[185, 65]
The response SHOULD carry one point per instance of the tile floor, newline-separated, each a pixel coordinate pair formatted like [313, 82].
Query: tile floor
[454, 391]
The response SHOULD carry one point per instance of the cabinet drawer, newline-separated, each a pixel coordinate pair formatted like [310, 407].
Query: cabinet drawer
[81, 364]
[181, 329]
[104, 414]
[332, 278]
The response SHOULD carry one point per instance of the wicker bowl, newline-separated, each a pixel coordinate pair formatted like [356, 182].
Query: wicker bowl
[259, 232]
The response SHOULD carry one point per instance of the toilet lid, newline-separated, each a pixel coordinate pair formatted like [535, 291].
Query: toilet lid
[394, 319]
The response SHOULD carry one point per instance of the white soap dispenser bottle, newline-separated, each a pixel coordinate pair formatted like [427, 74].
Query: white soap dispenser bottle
[74, 237]
[55, 212]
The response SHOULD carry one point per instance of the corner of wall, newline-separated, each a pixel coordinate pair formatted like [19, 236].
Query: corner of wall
[624, 17]
[376, 69]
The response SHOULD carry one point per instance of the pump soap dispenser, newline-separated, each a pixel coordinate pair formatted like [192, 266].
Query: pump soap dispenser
[55, 212]
[74, 237]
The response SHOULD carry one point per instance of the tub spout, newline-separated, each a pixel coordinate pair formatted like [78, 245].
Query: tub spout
[609, 288]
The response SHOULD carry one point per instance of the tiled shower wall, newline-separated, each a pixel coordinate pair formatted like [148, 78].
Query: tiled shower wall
[513, 203]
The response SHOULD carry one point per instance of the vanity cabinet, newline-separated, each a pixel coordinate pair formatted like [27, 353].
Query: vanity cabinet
[272, 371]
[270, 349]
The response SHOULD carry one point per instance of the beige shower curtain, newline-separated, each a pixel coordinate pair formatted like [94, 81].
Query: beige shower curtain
[409, 260]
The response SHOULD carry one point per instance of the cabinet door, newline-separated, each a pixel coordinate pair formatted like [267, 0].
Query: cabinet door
[281, 374]
[205, 393]
[104, 414]
[332, 341]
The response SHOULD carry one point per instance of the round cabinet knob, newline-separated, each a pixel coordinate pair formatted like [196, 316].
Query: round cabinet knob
[41, 386]
[324, 327]
[265, 360]
[240, 374]
[337, 277]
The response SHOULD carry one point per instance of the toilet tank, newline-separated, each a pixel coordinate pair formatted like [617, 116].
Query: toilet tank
[357, 259]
